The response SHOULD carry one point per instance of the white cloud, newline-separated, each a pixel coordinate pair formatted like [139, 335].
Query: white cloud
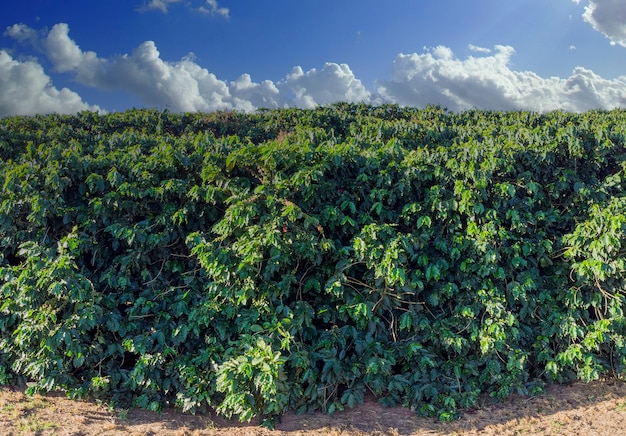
[444, 53]
[26, 90]
[585, 90]
[485, 80]
[214, 9]
[248, 96]
[63, 52]
[332, 83]
[607, 17]
[182, 85]
[489, 83]
[208, 7]
[478, 49]
[161, 5]
[186, 86]
[22, 33]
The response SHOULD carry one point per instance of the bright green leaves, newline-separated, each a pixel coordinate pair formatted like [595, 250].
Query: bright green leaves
[597, 282]
[253, 382]
[381, 249]
[595, 247]
[52, 306]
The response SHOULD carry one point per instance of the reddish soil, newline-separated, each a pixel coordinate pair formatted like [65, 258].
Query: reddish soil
[597, 408]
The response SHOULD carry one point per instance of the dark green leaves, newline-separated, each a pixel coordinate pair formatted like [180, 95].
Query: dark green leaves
[296, 259]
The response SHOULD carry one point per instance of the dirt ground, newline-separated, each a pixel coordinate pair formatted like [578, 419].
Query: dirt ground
[597, 408]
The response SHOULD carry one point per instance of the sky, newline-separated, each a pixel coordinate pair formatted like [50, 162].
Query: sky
[67, 56]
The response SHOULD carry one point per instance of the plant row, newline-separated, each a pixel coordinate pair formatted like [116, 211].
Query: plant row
[300, 259]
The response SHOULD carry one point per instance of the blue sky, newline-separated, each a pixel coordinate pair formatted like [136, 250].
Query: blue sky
[204, 55]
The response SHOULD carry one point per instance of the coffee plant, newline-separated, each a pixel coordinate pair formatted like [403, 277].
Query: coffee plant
[301, 259]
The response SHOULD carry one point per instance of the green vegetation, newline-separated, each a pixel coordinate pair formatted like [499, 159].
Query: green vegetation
[296, 259]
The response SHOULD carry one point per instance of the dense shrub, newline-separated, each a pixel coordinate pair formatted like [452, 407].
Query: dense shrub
[296, 259]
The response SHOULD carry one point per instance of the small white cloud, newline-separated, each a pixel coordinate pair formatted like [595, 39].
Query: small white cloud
[214, 9]
[607, 17]
[477, 49]
[25, 89]
[442, 52]
[22, 33]
[161, 5]
[209, 7]
[572, 47]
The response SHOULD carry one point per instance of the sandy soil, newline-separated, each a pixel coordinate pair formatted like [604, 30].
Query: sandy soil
[597, 408]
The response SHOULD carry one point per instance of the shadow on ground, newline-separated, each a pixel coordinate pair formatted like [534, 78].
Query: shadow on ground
[595, 408]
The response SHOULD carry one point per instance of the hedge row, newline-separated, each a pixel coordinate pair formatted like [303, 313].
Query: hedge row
[297, 259]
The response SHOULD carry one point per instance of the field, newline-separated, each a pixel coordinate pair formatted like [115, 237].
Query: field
[596, 408]
[258, 265]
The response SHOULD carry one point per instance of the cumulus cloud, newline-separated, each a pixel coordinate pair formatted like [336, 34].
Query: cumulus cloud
[485, 80]
[488, 82]
[186, 86]
[248, 96]
[585, 90]
[26, 90]
[607, 17]
[333, 82]
[182, 85]
[63, 52]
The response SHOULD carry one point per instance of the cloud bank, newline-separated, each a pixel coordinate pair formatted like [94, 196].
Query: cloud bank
[488, 82]
[607, 17]
[483, 80]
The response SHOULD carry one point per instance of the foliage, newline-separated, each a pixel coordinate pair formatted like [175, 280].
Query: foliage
[297, 259]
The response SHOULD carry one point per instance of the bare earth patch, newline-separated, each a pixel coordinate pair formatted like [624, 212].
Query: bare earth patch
[597, 408]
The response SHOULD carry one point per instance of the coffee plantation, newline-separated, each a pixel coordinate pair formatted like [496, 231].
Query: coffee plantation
[301, 259]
